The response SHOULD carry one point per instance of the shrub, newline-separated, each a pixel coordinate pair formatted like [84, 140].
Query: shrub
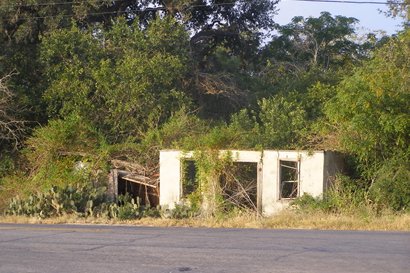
[344, 196]
[7, 164]
[391, 188]
[64, 152]
[282, 122]
[184, 211]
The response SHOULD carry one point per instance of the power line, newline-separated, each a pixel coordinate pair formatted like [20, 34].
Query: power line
[351, 2]
[101, 13]
[58, 3]
[109, 12]
[164, 8]
[107, 4]
[215, 4]
[71, 15]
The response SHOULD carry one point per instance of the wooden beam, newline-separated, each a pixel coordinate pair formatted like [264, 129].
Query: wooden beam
[140, 179]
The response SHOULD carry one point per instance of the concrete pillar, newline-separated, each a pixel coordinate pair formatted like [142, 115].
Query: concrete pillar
[170, 178]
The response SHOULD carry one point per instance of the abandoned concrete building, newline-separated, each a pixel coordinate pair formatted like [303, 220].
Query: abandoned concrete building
[264, 181]
[278, 176]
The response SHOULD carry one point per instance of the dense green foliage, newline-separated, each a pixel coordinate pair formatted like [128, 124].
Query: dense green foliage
[371, 107]
[391, 187]
[82, 83]
[123, 81]
[371, 120]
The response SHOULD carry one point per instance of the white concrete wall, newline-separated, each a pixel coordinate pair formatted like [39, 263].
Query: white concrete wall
[245, 156]
[270, 188]
[170, 178]
[311, 175]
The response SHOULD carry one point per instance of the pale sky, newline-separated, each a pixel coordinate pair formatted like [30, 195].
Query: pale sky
[370, 18]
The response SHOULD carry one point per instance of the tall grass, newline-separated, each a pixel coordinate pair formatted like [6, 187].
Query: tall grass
[345, 196]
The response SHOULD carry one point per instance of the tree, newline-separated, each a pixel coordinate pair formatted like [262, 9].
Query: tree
[325, 41]
[123, 80]
[11, 128]
[371, 110]
[399, 8]
[233, 23]
[217, 20]
[310, 53]
[236, 25]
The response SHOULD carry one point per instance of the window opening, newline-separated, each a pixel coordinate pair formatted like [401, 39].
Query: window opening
[189, 177]
[289, 179]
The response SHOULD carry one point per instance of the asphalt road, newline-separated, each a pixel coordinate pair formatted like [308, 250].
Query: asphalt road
[73, 248]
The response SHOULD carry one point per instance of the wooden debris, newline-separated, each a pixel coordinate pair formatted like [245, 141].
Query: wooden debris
[131, 167]
[140, 179]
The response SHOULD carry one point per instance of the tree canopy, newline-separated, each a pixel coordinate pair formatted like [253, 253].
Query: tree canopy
[123, 80]
[371, 110]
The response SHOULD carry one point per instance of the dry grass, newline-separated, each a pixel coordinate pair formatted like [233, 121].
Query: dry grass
[284, 220]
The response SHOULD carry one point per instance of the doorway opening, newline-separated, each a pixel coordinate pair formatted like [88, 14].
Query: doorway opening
[139, 187]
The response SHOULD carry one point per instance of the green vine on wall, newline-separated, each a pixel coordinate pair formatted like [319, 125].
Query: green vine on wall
[209, 166]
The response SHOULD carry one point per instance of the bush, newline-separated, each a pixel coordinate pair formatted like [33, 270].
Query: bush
[283, 121]
[184, 211]
[344, 196]
[64, 152]
[307, 202]
[391, 188]
[71, 137]
[7, 164]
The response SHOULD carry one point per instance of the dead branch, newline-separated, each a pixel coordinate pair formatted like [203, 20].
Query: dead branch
[221, 84]
[238, 190]
[11, 128]
[131, 167]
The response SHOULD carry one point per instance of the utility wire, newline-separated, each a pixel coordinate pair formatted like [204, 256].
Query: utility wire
[115, 12]
[101, 2]
[69, 15]
[60, 3]
[352, 2]
[100, 13]
[160, 7]
[194, 6]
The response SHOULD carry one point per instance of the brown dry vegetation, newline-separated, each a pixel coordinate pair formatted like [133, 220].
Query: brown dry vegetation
[285, 220]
